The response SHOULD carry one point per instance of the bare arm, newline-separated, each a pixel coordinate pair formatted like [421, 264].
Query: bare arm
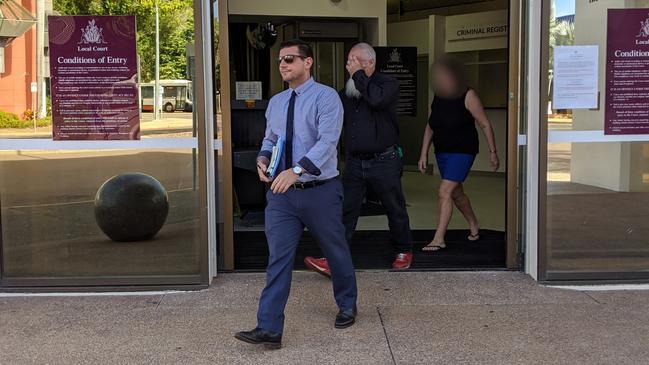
[474, 105]
[425, 146]
[426, 140]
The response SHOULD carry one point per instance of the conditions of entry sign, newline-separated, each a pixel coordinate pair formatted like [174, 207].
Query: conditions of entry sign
[401, 63]
[93, 66]
[627, 72]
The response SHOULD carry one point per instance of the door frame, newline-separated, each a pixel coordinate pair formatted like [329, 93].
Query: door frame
[226, 233]
[544, 274]
[514, 260]
[515, 80]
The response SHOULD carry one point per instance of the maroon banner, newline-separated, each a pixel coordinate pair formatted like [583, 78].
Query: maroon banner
[93, 67]
[627, 72]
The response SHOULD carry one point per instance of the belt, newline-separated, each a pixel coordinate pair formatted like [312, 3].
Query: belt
[371, 156]
[310, 184]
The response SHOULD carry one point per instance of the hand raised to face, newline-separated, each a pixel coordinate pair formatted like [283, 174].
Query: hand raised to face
[353, 65]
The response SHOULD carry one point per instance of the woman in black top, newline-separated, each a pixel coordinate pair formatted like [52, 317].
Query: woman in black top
[451, 128]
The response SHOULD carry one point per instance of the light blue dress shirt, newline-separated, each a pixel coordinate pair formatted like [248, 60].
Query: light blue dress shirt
[317, 123]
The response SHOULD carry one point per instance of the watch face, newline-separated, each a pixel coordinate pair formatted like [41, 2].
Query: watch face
[297, 170]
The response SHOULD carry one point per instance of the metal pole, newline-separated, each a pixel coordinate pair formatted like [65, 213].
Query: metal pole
[34, 107]
[40, 108]
[194, 134]
[157, 100]
[139, 86]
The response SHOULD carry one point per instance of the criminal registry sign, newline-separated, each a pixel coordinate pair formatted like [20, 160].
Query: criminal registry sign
[627, 72]
[93, 67]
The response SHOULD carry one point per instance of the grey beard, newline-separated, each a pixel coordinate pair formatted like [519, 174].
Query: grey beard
[351, 91]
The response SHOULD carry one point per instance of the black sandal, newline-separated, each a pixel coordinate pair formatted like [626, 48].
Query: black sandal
[473, 237]
[433, 247]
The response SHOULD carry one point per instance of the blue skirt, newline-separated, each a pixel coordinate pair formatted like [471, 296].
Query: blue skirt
[454, 166]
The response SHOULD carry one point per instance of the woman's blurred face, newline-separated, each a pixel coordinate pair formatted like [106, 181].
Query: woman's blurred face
[444, 81]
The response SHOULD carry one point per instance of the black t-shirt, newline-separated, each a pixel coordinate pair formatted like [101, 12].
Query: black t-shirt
[453, 126]
[370, 122]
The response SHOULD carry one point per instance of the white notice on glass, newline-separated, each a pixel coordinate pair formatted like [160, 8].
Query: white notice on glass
[248, 90]
[575, 77]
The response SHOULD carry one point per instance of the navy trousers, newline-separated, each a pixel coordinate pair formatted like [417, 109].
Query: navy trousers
[383, 174]
[320, 210]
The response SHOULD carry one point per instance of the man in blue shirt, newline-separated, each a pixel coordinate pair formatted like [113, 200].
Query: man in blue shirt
[306, 193]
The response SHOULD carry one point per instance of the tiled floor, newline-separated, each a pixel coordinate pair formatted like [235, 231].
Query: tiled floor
[486, 191]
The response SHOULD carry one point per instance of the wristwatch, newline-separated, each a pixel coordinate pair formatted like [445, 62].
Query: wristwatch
[297, 170]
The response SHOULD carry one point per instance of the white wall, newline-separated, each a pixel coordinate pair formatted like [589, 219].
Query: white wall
[476, 19]
[374, 31]
[376, 9]
[409, 34]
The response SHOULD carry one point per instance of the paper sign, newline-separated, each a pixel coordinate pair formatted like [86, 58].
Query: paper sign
[248, 90]
[575, 77]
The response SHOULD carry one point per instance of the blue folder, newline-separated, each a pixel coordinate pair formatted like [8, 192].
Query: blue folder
[278, 151]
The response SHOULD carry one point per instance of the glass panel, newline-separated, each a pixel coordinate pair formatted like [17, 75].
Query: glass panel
[18, 105]
[597, 183]
[147, 92]
[97, 212]
[325, 63]
[49, 207]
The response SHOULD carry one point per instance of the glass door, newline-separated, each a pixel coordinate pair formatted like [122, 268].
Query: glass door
[595, 161]
[330, 66]
[104, 211]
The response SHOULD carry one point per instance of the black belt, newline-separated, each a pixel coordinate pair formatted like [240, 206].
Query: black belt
[310, 184]
[371, 156]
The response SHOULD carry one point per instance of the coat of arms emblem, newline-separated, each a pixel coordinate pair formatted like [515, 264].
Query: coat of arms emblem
[395, 56]
[92, 34]
[644, 29]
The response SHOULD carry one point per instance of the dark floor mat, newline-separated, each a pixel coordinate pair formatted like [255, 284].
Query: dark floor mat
[372, 250]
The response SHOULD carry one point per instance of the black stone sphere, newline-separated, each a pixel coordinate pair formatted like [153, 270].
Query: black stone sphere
[131, 207]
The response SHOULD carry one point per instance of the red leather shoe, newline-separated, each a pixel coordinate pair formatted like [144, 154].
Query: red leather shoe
[321, 266]
[402, 261]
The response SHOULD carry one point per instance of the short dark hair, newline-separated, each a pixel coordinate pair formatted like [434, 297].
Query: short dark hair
[303, 47]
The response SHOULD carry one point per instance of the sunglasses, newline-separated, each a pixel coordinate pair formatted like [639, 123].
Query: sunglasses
[289, 58]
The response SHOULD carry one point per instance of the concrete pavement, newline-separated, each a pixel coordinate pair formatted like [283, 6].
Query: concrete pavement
[405, 318]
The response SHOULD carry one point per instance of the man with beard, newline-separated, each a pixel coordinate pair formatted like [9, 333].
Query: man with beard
[372, 154]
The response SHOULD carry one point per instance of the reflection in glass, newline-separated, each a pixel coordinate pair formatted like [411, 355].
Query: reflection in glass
[598, 192]
[176, 42]
[47, 197]
[49, 228]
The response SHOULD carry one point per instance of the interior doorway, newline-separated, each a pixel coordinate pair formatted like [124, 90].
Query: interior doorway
[253, 44]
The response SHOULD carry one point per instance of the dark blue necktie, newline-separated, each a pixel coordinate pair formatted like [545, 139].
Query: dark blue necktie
[288, 148]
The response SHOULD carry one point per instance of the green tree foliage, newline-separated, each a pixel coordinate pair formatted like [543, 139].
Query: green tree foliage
[561, 33]
[176, 30]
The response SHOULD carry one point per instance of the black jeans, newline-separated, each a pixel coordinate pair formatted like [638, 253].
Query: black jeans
[383, 175]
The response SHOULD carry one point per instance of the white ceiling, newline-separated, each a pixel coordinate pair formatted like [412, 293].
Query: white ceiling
[397, 6]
